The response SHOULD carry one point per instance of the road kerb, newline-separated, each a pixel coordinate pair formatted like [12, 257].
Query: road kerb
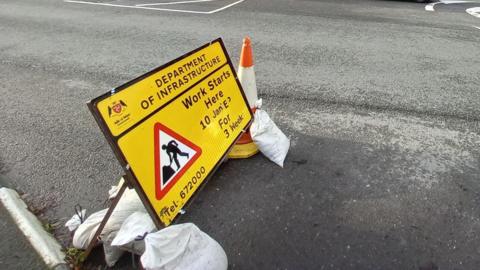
[44, 243]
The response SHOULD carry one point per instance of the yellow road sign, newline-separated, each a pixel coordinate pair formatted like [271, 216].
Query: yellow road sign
[171, 127]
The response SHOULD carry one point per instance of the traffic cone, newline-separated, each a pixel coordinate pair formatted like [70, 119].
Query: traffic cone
[245, 147]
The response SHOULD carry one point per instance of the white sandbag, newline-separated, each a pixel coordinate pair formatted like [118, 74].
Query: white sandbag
[73, 223]
[180, 247]
[112, 253]
[85, 232]
[112, 193]
[128, 204]
[268, 137]
[134, 227]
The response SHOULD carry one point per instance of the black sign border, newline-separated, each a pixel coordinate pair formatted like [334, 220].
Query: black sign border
[113, 140]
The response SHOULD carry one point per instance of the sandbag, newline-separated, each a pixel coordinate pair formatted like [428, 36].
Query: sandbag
[128, 204]
[130, 235]
[75, 221]
[85, 232]
[180, 247]
[112, 193]
[269, 139]
[112, 253]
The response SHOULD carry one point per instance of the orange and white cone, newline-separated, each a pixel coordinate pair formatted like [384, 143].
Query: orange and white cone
[245, 147]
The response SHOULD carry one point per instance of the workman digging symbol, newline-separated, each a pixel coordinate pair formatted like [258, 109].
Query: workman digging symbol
[174, 155]
[173, 152]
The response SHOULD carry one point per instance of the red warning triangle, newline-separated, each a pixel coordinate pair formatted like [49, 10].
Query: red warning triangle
[173, 156]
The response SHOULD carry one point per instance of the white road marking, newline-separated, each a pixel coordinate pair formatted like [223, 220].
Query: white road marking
[454, 2]
[474, 11]
[149, 8]
[153, 8]
[225, 7]
[173, 3]
[430, 7]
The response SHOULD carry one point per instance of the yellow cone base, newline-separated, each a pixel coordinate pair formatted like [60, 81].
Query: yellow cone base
[245, 150]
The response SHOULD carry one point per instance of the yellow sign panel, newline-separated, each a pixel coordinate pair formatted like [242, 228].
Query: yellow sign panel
[172, 140]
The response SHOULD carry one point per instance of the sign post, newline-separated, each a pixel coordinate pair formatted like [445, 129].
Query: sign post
[172, 127]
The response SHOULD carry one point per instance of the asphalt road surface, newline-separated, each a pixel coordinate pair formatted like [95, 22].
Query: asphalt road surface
[381, 100]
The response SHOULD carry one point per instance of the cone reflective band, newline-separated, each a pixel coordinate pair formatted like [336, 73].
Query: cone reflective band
[245, 147]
